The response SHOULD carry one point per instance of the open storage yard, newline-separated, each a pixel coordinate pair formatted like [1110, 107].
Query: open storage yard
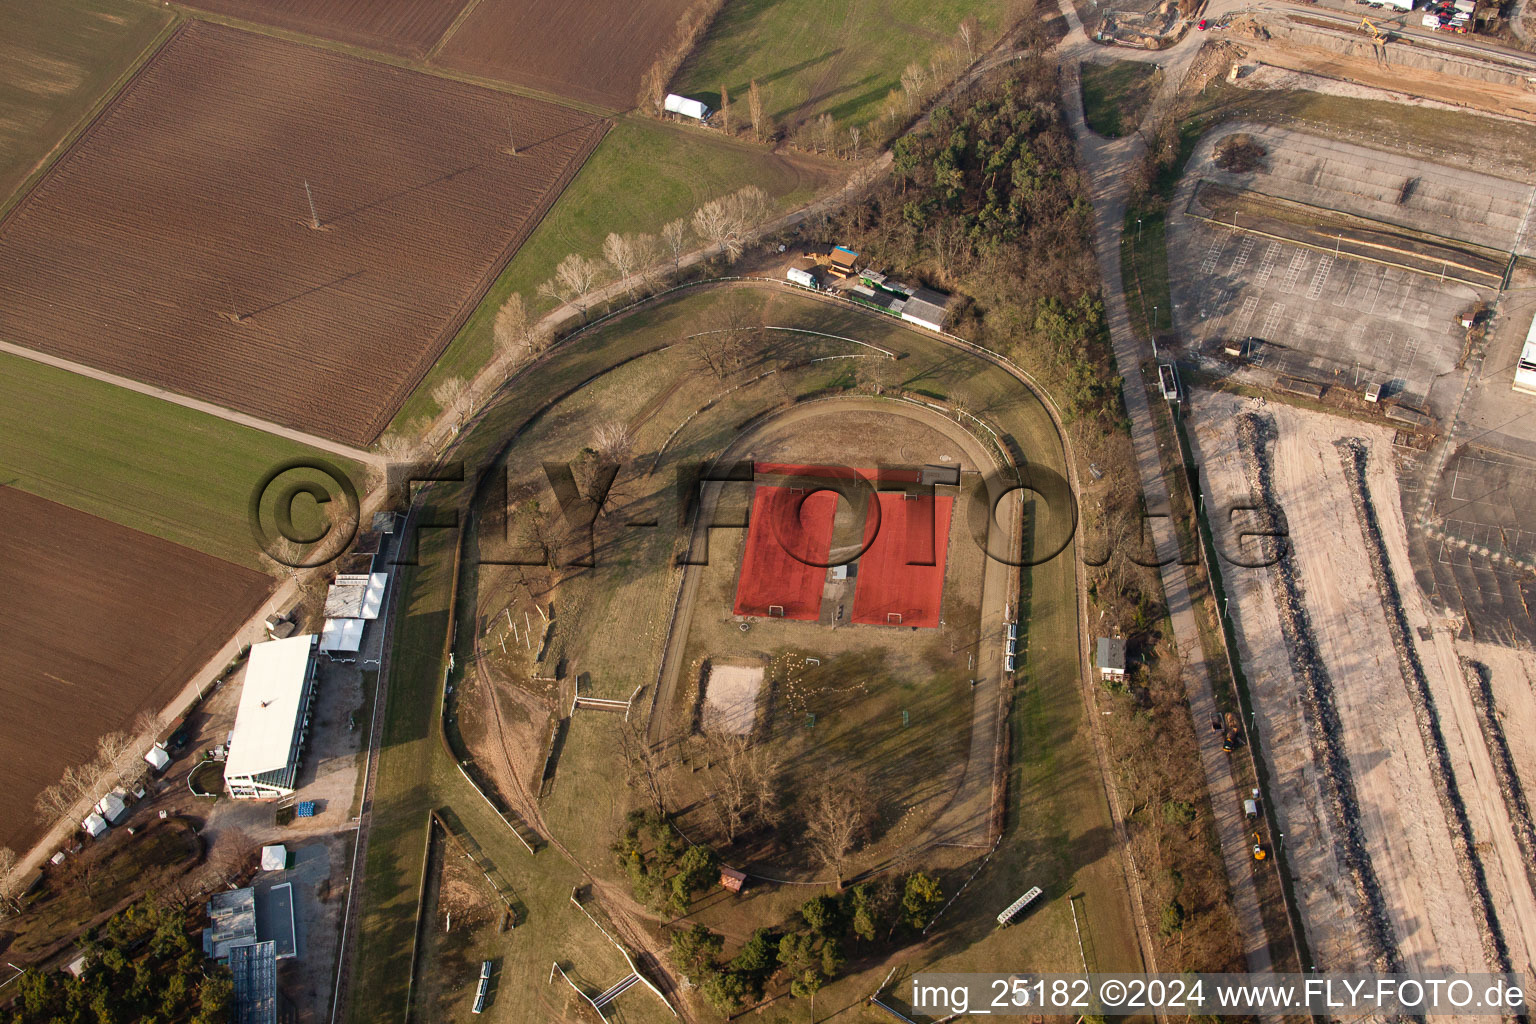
[102, 623]
[1404, 851]
[173, 244]
[405, 27]
[587, 49]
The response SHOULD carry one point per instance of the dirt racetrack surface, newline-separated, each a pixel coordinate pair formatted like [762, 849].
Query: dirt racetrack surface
[1405, 833]
[589, 49]
[101, 622]
[406, 27]
[173, 243]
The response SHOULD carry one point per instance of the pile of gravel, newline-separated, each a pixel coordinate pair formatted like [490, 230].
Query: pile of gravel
[1353, 455]
[1320, 712]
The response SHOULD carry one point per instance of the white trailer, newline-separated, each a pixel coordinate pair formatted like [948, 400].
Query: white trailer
[1402, 5]
[682, 105]
[804, 278]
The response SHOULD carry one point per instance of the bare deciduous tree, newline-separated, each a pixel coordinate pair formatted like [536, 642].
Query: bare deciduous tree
[725, 110]
[612, 441]
[742, 777]
[913, 81]
[647, 768]
[10, 883]
[836, 821]
[516, 331]
[452, 396]
[53, 803]
[674, 235]
[732, 331]
[577, 276]
[968, 33]
[728, 221]
[619, 251]
[755, 111]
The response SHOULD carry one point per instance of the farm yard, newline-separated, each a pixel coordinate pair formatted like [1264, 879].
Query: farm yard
[115, 622]
[60, 58]
[204, 162]
[609, 629]
[586, 49]
[404, 27]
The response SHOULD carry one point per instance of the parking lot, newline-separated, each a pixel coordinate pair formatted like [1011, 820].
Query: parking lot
[1330, 320]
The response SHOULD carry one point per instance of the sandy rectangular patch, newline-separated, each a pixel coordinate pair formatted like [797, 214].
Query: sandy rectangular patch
[730, 698]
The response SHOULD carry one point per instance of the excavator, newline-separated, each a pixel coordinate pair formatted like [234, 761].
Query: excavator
[1259, 852]
[1378, 37]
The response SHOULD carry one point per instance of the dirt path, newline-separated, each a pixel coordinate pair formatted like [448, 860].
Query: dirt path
[1106, 164]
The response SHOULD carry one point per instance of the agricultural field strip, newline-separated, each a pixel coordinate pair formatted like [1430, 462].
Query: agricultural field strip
[351, 289]
[197, 405]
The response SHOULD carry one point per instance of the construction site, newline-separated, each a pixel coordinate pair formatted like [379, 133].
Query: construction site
[1346, 312]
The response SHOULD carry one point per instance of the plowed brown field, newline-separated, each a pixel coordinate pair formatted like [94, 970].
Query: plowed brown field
[593, 50]
[406, 27]
[101, 622]
[184, 206]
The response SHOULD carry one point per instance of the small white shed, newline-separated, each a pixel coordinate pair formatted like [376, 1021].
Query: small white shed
[157, 758]
[274, 858]
[675, 104]
[94, 824]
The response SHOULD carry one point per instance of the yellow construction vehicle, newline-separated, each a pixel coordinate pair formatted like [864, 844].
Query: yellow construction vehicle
[1259, 853]
[1378, 37]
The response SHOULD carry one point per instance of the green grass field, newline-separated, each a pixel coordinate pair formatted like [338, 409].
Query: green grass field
[810, 58]
[61, 58]
[147, 464]
[643, 175]
[1115, 95]
[1058, 834]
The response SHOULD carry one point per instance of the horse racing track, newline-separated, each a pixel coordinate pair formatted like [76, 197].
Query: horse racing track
[101, 622]
[288, 232]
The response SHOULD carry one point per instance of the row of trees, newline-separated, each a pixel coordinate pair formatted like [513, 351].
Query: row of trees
[118, 762]
[811, 949]
[636, 263]
[690, 29]
[142, 967]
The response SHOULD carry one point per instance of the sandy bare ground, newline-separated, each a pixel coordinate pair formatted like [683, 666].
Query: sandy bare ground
[730, 698]
[1405, 831]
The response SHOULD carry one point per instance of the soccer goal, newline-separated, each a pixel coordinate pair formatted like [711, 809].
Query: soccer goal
[776, 611]
[893, 618]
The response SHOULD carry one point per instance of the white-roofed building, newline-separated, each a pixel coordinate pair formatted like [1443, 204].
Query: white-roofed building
[273, 720]
[353, 600]
[675, 104]
[94, 824]
[358, 596]
[112, 807]
[274, 858]
[1525, 366]
[926, 308]
[341, 635]
[157, 758]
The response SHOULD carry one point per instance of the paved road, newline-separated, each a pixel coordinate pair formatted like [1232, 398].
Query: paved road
[1106, 164]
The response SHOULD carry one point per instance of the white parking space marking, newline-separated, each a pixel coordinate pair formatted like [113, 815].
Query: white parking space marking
[1241, 259]
[1343, 296]
[1320, 278]
[1375, 298]
[1213, 253]
[1272, 319]
[1245, 315]
[1267, 264]
[1294, 271]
